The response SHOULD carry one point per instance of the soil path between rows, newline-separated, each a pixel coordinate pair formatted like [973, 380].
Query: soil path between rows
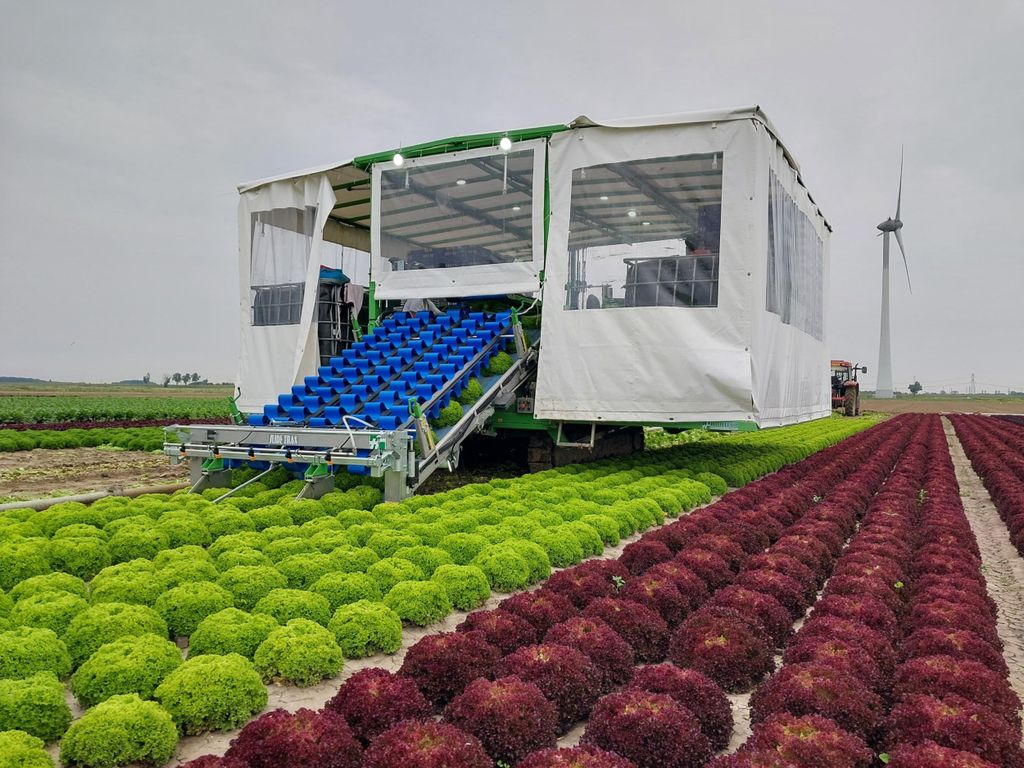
[1002, 566]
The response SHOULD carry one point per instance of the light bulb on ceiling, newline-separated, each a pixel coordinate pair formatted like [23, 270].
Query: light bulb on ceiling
[631, 213]
[398, 160]
[515, 207]
[460, 182]
[604, 198]
[505, 144]
[646, 223]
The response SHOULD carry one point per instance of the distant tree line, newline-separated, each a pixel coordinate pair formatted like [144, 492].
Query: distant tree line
[177, 378]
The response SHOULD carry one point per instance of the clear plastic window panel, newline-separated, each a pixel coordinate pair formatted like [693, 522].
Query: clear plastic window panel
[795, 264]
[281, 241]
[646, 233]
[465, 213]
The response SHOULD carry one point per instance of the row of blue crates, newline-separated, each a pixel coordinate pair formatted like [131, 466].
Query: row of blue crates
[409, 356]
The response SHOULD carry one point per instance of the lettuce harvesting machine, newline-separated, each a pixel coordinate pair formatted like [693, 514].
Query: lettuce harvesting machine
[576, 282]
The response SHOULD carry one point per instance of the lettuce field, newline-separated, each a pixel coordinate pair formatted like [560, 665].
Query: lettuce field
[816, 595]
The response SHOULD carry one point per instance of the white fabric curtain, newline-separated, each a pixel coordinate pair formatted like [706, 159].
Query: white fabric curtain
[274, 357]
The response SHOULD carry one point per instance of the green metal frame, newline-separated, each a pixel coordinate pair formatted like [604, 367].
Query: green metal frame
[510, 419]
[458, 144]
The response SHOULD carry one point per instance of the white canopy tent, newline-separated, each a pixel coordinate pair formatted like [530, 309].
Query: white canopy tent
[681, 262]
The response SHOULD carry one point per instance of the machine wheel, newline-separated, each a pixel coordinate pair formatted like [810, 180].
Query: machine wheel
[851, 401]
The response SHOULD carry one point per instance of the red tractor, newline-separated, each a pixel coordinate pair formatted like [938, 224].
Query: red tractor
[845, 387]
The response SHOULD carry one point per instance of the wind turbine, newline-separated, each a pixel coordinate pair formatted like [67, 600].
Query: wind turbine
[883, 389]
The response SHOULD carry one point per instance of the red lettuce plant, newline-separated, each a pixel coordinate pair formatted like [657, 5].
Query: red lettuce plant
[724, 547]
[871, 586]
[641, 555]
[543, 609]
[303, 739]
[373, 700]
[787, 564]
[575, 757]
[641, 627]
[810, 741]
[787, 590]
[867, 610]
[418, 744]
[710, 567]
[660, 593]
[808, 551]
[564, 675]
[956, 723]
[775, 619]
[724, 645]
[837, 653]
[651, 729]
[695, 691]
[944, 613]
[944, 675]
[854, 633]
[442, 665]
[502, 629]
[215, 761]
[610, 654]
[580, 585]
[928, 754]
[816, 689]
[958, 643]
[510, 717]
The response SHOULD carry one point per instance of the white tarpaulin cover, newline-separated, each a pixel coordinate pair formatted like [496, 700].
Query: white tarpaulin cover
[279, 265]
[661, 353]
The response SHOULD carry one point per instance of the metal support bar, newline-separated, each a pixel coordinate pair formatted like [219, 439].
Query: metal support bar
[240, 486]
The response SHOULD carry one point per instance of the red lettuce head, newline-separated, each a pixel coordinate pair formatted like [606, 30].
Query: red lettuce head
[373, 700]
[928, 754]
[956, 723]
[543, 609]
[563, 674]
[641, 555]
[502, 629]
[944, 675]
[510, 717]
[695, 691]
[651, 729]
[775, 619]
[724, 645]
[644, 629]
[575, 757]
[817, 689]
[282, 739]
[710, 567]
[426, 744]
[610, 654]
[958, 643]
[844, 656]
[787, 590]
[442, 665]
[811, 741]
[580, 585]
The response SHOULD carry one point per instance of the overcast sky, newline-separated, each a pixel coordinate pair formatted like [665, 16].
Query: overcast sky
[125, 128]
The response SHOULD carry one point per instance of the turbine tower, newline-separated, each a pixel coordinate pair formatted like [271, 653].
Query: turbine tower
[883, 389]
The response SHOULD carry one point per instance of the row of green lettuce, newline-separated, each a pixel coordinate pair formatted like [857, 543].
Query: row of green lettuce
[266, 588]
[129, 438]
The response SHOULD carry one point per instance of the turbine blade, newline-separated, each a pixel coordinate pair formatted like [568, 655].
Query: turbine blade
[899, 194]
[899, 241]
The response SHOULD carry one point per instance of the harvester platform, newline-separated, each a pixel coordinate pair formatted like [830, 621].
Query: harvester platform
[367, 412]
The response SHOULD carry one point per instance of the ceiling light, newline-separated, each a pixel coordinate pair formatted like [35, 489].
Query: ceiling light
[505, 144]
[398, 160]
[631, 213]
[646, 223]
[515, 207]
[604, 198]
[460, 182]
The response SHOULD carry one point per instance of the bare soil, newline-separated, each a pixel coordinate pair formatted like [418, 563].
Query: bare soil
[927, 404]
[45, 472]
[1001, 565]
